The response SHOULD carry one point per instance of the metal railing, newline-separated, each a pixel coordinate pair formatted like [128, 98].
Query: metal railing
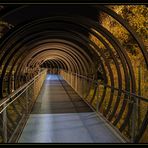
[127, 112]
[15, 108]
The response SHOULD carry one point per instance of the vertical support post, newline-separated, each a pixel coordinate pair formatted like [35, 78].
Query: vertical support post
[5, 124]
[71, 80]
[97, 93]
[133, 128]
[80, 87]
[139, 93]
[12, 81]
[76, 83]
[27, 102]
[68, 76]
[34, 89]
[83, 87]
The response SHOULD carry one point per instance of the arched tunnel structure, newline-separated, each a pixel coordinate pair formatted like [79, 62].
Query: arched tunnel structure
[59, 37]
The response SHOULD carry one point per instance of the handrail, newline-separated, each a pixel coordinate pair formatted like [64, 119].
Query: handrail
[121, 90]
[25, 86]
[16, 107]
[108, 104]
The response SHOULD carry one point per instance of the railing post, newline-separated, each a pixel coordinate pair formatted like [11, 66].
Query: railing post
[27, 101]
[83, 88]
[69, 77]
[97, 93]
[133, 122]
[34, 89]
[76, 83]
[5, 124]
[71, 81]
[66, 76]
[139, 93]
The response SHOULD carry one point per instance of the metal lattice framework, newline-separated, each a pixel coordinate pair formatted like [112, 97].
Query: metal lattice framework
[63, 42]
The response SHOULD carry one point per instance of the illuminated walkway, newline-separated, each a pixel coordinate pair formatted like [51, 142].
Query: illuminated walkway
[60, 116]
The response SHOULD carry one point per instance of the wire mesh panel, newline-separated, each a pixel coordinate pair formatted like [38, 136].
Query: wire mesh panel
[126, 111]
[15, 109]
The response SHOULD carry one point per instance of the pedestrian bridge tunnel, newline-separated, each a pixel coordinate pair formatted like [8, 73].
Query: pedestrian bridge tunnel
[71, 40]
